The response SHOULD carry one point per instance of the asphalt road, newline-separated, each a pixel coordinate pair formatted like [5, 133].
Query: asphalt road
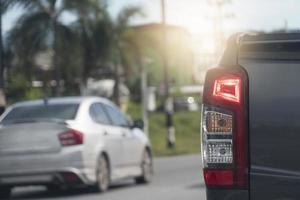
[176, 178]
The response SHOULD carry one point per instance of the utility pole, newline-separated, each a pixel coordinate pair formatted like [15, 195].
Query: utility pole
[165, 60]
[117, 63]
[168, 102]
[144, 93]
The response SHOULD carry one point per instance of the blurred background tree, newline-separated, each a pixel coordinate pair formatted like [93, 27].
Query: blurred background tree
[93, 28]
[42, 47]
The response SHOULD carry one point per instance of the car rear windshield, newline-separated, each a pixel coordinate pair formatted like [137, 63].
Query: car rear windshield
[40, 112]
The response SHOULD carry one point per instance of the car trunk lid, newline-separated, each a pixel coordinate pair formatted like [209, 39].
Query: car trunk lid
[33, 137]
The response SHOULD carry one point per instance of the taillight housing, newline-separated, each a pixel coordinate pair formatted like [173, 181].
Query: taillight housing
[71, 137]
[224, 128]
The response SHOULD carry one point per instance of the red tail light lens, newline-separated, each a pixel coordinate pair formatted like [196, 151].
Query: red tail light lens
[224, 128]
[218, 177]
[71, 137]
[228, 88]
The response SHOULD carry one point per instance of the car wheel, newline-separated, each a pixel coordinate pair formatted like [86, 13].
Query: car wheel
[103, 174]
[147, 170]
[5, 192]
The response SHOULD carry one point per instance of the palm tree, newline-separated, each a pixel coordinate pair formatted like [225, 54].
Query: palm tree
[3, 9]
[103, 39]
[38, 29]
[120, 44]
[92, 26]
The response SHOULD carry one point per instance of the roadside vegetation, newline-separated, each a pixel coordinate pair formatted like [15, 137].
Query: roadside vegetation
[187, 125]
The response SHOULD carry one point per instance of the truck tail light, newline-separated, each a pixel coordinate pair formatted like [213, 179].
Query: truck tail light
[228, 88]
[224, 128]
[71, 137]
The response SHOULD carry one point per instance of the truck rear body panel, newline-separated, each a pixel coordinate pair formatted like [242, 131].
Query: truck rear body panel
[273, 67]
[274, 128]
[272, 63]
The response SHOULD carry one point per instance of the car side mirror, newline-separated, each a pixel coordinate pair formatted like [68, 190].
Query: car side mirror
[138, 124]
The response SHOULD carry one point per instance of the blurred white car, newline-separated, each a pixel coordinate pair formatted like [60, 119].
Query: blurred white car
[69, 142]
[185, 104]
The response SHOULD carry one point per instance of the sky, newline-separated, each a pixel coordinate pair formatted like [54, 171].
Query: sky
[197, 16]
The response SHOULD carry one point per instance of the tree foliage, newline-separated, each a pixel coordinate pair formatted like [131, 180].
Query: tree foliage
[94, 44]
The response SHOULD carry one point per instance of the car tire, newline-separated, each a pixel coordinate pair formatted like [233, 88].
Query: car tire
[147, 169]
[103, 174]
[5, 192]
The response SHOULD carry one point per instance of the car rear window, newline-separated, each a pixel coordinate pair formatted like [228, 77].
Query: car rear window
[44, 111]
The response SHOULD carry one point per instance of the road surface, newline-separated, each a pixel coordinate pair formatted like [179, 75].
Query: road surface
[176, 178]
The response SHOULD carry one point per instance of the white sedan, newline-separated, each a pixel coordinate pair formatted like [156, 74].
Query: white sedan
[68, 142]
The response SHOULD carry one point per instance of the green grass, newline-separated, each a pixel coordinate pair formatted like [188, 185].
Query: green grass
[187, 130]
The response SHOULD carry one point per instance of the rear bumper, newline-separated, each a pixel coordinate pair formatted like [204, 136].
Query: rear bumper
[70, 177]
[226, 194]
[28, 169]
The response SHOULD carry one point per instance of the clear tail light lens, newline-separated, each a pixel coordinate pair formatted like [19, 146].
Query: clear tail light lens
[71, 137]
[217, 122]
[219, 152]
[217, 138]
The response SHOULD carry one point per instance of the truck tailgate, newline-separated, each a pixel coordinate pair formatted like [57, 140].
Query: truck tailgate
[274, 123]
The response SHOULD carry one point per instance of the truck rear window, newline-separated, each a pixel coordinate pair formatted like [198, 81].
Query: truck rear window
[50, 111]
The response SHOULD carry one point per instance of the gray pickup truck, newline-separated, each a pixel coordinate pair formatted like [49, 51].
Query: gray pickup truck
[251, 120]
